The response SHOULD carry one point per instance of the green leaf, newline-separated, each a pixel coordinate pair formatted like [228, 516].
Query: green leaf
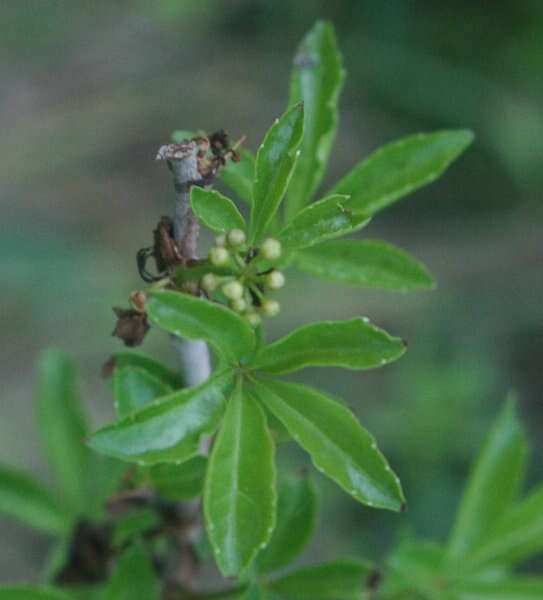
[239, 497]
[135, 524]
[215, 211]
[198, 318]
[493, 485]
[275, 163]
[338, 580]
[31, 592]
[323, 220]
[414, 565]
[179, 482]
[317, 80]
[153, 367]
[296, 520]
[517, 536]
[336, 442]
[134, 387]
[28, 501]
[134, 577]
[400, 168]
[239, 175]
[364, 263]
[63, 426]
[514, 588]
[354, 344]
[168, 430]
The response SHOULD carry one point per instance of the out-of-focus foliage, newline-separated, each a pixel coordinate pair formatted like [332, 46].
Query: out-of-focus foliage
[91, 90]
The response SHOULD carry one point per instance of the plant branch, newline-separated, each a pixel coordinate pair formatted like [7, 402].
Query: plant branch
[183, 162]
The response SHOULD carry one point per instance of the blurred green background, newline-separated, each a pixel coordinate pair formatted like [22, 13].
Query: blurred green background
[91, 89]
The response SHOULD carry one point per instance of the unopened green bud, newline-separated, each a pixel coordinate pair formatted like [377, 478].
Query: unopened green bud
[270, 249]
[270, 307]
[275, 280]
[236, 237]
[218, 256]
[233, 290]
[239, 305]
[209, 282]
[253, 318]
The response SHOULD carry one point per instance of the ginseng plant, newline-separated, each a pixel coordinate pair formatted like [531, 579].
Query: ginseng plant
[208, 435]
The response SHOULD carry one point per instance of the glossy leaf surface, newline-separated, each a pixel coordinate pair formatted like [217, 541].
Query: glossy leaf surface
[296, 520]
[336, 442]
[215, 211]
[168, 430]
[134, 387]
[364, 263]
[240, 497]
[275, 163]
[400, 168]
[317, 79]
[24, 499]
[354, 344]
[340, 580]
[153, 367]
[197, 318]
[323, 220]
[493, 485]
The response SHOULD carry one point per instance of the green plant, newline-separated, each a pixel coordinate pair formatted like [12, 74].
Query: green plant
[215, 434]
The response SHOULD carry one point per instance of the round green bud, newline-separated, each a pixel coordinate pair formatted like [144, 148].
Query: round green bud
[253, 318]
[270, 249]
[270, 308]
[238, 305]
[236, 237]
[275, 280]
[219, 256]
[233, 290]
[220, 241]
[209, 282]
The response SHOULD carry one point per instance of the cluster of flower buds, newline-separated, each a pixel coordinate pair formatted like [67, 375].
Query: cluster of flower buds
[245, 286]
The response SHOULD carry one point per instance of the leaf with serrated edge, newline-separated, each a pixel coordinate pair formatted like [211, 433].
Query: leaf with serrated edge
[338, 445]
[321, 221]
[275, 161]
[168, 429]
[364, 263]
[134, 387]
[239, 496]
[215, 211]
[400, 168]
[317, 79]
[354, 344]
[493, 484]
[28, 501]
[296, 520]
[198, 318]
